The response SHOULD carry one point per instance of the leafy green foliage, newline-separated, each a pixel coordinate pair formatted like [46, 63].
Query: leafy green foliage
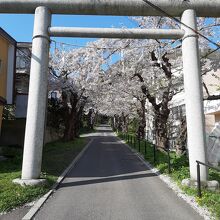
[9, 112]
[56, 157]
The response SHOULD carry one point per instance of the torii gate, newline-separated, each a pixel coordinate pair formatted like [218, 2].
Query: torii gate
[43, 10]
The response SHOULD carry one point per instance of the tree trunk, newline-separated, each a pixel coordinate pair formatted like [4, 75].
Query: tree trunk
[161, 110]
[90, 119]
[124, 123]
[181, 139]
[118, 123]
[161, 120]
[142, 120]
[70, 119]
[70, 122]
[78, 121]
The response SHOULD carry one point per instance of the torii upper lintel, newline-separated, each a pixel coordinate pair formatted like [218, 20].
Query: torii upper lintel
[203, 8]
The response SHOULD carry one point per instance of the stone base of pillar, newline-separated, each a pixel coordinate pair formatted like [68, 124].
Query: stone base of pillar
[212, 185]
[31, 182]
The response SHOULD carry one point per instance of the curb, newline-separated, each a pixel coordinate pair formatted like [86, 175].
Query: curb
[35, 208]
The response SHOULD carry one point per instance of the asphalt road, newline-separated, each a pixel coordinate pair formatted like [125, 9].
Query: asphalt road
[110, 182]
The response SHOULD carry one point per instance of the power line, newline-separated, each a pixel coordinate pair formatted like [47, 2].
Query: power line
[158, 9]
[23, 53]
[75, 45]
[211, 52]
[180, 22]
[105, 48]
[78, 45]
[168, 15]
[99, 48]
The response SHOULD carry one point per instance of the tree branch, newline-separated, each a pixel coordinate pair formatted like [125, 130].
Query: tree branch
[212, 97]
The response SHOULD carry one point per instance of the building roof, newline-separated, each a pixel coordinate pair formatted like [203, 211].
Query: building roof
[24, 45]
[5, 35]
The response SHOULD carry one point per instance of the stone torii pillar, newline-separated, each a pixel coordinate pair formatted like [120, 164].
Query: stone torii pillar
[193, 96]
[34, 133]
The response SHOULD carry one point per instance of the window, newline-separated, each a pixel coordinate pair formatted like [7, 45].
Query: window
[178, 112]
[53, 95]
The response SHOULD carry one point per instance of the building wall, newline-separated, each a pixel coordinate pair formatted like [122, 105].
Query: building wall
[211, 82]
[22, 76]
[212, 110]
[210, 123]
[217, 117]
[3, 72]
[1, 112]
[13, 132]
[21, 106]
[10, 74]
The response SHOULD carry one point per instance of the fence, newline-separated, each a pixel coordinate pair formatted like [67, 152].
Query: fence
[198, 175]
[138, 144]
[135, 142]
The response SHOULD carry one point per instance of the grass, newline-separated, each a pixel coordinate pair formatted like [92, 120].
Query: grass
[56, 157]
[86, 130]
[180, 171]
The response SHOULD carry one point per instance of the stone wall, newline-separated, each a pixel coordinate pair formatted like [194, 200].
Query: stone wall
[13, 131]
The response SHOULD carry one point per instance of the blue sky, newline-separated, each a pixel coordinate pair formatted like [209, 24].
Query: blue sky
[20, 27]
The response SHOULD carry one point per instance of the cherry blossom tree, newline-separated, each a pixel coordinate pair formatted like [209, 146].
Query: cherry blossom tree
[120, 78]
[73, 74]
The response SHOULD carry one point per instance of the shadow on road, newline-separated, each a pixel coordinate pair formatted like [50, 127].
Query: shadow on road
[104, 180]
[101, 130]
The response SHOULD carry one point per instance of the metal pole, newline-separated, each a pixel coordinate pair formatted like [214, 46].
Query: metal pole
[34, 132]
[113, 7]
[116, 33]
[169, 165]
[154, 148]
[139, 144]
[199, 181]
[193, 96]
[145, 147]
